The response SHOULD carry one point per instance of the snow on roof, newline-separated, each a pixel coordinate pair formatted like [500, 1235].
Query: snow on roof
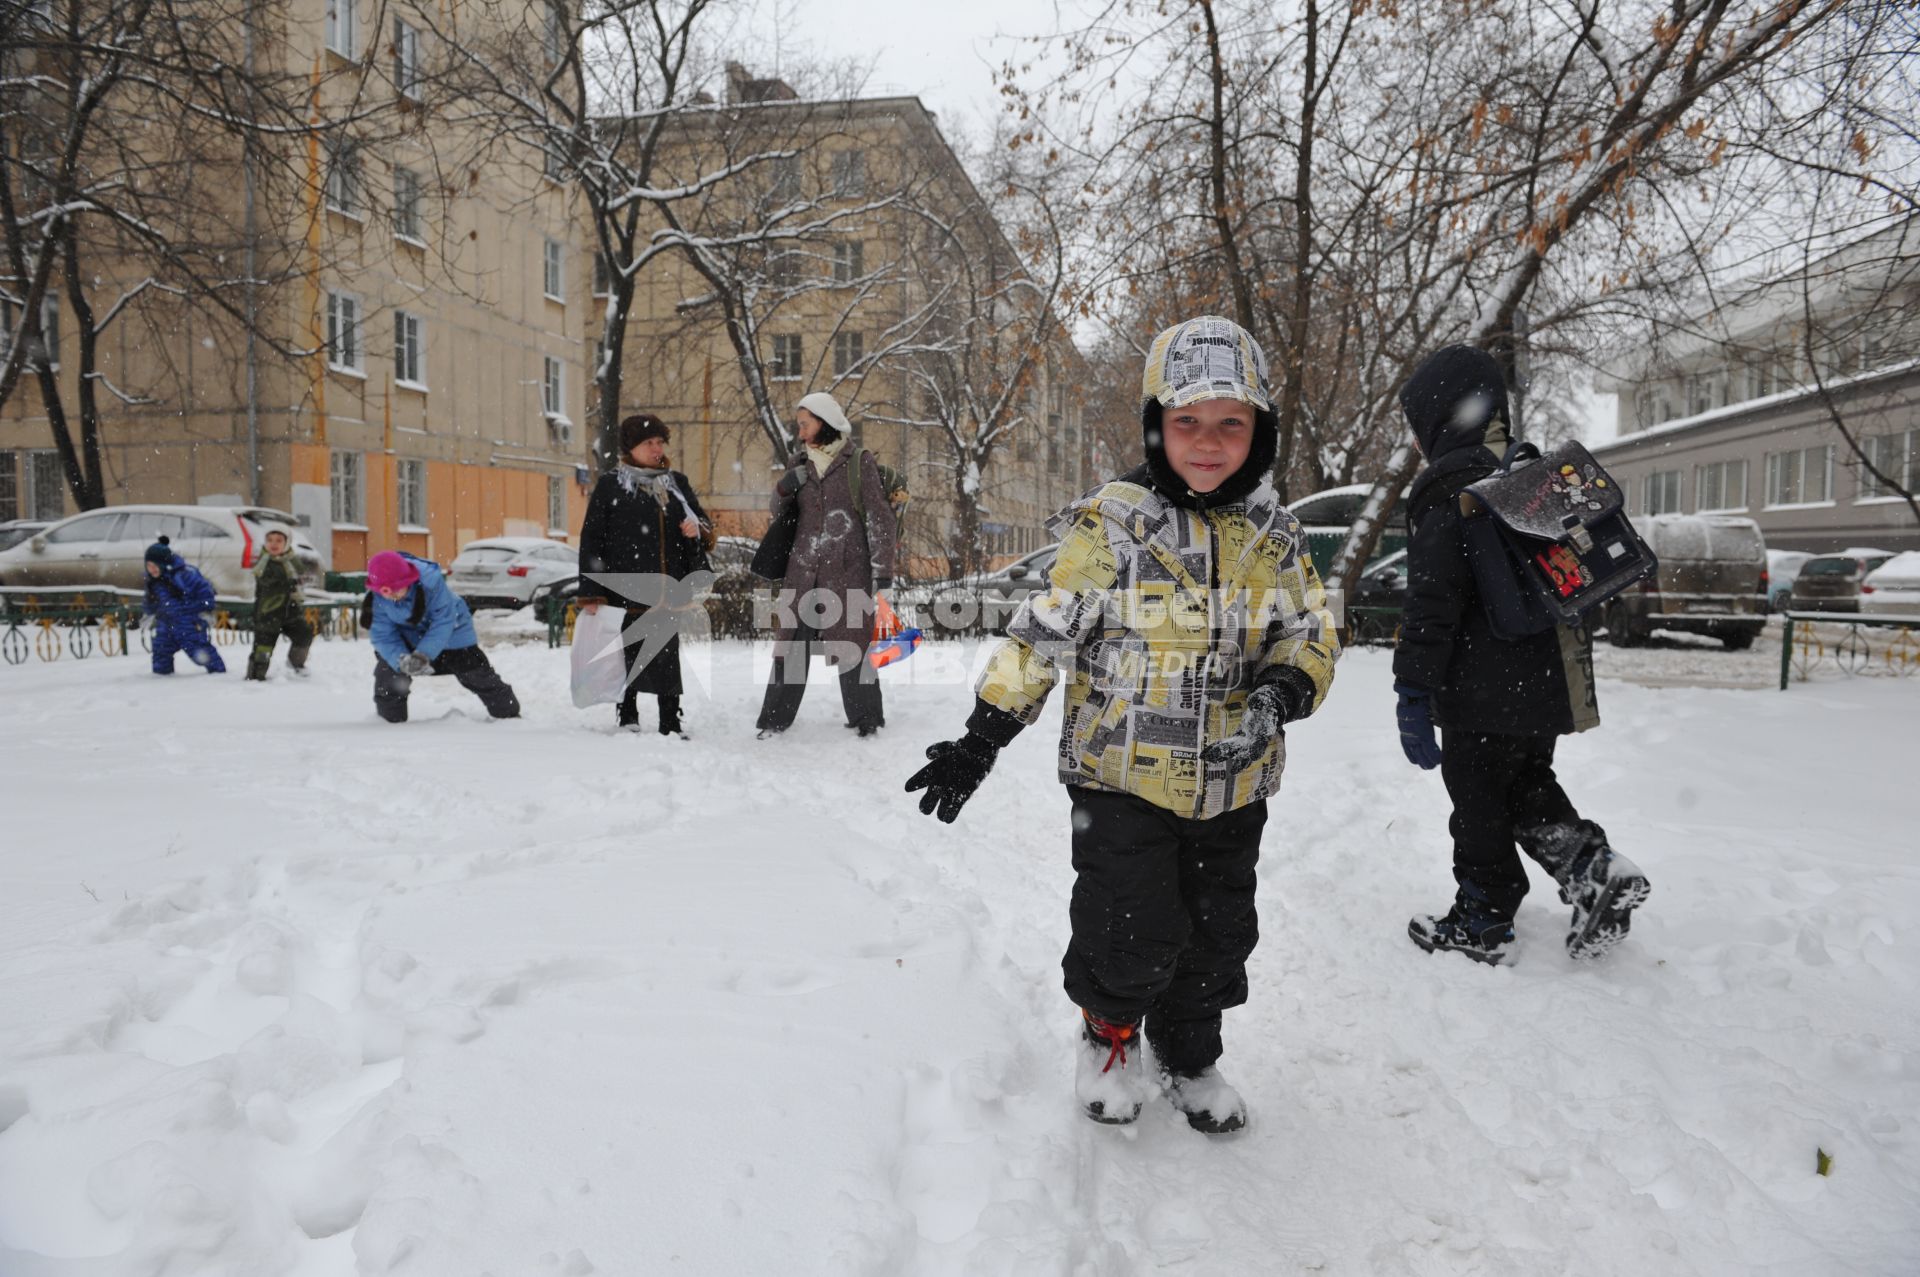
[1681, 424]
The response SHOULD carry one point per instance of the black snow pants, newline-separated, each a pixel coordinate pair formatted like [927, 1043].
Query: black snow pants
[266, 633]
[1504, 791]
[468, 664]
[1163, 919]
[787, 684]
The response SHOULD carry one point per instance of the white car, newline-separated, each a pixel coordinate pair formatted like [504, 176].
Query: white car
[108, 547]
[1893, 588]
[505, 571]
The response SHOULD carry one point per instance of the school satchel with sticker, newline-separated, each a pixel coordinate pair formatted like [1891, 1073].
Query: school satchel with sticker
[1549, 539]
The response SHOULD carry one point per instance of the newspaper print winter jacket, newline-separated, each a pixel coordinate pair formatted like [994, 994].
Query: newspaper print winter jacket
[1163, 619]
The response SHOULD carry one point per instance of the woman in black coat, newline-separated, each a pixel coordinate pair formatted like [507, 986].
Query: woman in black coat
[643, 524]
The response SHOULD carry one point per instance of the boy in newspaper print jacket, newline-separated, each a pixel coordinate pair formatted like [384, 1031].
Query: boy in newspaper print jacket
[1192, 628]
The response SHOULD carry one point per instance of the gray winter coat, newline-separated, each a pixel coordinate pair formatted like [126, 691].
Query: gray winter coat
[833, 552]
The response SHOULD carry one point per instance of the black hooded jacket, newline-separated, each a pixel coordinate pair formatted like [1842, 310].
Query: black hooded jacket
[1541, 685]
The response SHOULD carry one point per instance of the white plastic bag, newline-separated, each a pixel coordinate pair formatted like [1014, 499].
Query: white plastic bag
[599, 662]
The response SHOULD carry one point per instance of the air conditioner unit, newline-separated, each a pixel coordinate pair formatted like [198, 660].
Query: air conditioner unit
[559, 430]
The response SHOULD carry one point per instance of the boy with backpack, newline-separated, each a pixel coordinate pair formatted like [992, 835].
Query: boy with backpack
[1501, 703]
[421, 627]
[1193, 630]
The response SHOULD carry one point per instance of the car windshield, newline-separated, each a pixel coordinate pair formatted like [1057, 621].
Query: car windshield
[1829, 567]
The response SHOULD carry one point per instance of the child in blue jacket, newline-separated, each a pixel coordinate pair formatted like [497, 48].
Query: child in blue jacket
[176, 596]
[420, 627]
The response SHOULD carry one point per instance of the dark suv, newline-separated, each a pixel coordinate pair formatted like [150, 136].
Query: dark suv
[1831, 582]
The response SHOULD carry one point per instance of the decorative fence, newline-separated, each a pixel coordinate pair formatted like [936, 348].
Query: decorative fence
[74, 623]
[1884, 646]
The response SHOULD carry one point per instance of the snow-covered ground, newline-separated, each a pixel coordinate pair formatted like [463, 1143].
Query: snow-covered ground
[286, 990]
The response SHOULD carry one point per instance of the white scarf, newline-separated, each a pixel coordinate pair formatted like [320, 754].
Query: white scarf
[823, 456]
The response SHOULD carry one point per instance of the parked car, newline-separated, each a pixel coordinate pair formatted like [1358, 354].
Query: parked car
[1893, 588]
[982, 602]
[108, 547]
[1782, 567]
[1330, 514]
[1711, 581]
[505, 571]
[1379, 598]
[1831, 582]
[14, 531]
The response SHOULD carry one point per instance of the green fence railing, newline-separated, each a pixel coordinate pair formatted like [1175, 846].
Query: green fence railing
[55, 622]
[1807, 645]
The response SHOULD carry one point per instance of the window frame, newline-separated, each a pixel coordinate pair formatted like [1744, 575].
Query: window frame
[553, 270]
[1775, 478]
[553, 388]
[1723, 500]
[408, 74]
[347, 489]
[849, 260]
[788, 355]
[345, 189]
[556, 501]
[1660, 480]
[408, 224]
[848, 171]
[409, 351]
[341, 27]
[410, 490]
[849, 351]
[339, 302]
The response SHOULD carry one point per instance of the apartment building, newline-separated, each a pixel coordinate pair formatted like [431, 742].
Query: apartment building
[1727, 414]
[445, 309]
[845, 310]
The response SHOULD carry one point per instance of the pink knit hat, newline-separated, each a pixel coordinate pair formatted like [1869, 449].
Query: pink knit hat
[389, 570]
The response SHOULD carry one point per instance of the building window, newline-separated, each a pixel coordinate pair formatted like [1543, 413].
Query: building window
[46, 486]
[1720, 485]
[47, 348]
[783, 266]
[553, 32]
[1661, 492]
[9, 487]
[848, 350]
[406, 205]
[409, 350]
[556, 505]
[1699, 394]
[602, 276]
[849, 172]
[343, 178]
[786, 357]
[783, 179]
[553, 158]
[1803, 476]
[342, 31]
[553, 388]
[1896, 456]
[348, 490]
[343, 333]
[406, 60]
[849, 261]
[553, 279]
[410, 492]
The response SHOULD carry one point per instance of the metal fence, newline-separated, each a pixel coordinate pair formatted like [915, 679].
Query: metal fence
[74, 623]
[1812, 642]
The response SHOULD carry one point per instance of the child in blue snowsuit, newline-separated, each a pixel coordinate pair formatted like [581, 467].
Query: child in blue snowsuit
[421, 627]
[176, 596]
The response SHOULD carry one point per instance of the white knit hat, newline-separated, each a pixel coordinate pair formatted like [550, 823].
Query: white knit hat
[828, 409]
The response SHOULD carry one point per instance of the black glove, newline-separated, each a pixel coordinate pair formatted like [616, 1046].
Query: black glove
[1417, 739]
[1263, 720]
[414, 665]
[956, 769]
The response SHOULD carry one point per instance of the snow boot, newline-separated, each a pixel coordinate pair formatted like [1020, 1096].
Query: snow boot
[1604, 889]
[1484, 937]
[1211, 1103]
[1110, 1083]
[297, 660]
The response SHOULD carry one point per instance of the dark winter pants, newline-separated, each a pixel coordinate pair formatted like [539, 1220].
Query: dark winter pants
[1504, 791]
[266, 633]
[859, 687]
[468, 664]
[1163, 919]
[171, 637]
[661, 676]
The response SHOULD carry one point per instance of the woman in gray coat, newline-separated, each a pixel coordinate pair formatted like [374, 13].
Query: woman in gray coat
[842, 557]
